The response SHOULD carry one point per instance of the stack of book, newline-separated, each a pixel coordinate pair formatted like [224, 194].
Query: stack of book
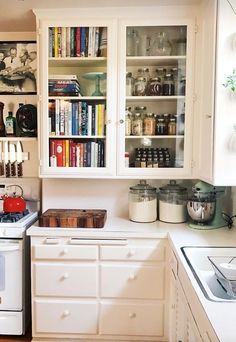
[74, 41]
[68, 117]
[63, 85]
[69, 153]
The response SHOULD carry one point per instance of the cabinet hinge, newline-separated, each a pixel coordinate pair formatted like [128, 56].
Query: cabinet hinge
[39, 31]
[192, 164]
[196, 28]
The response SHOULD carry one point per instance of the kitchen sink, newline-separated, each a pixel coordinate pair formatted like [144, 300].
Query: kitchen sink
[197, 258]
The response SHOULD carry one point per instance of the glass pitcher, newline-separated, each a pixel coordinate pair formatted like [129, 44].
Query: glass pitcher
[161, 45]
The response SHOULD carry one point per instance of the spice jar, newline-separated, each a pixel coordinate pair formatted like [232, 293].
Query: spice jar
[154, 87]
[168, 85]
[128, 121]
[173, 203]
[149, 124]
[172, 126]
[129, 84]
[142, 203]
[137, 124]
[161, 127]
[140, 84]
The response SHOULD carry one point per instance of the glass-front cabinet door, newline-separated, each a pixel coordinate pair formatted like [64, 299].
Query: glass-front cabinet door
[156, 98]
[77, 97]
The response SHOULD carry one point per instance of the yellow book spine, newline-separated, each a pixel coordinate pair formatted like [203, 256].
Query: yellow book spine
[67, 161]
[55, 41]
[101, 119]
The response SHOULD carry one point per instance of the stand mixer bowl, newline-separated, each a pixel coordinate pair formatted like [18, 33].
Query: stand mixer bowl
[201, 211]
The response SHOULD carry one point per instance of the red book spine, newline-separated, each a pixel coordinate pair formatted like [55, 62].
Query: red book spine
[73, 154]
[59, 152]
[52, 153]
[78, 41]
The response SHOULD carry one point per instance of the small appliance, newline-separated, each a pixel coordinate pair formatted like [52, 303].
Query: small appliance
[205, 206]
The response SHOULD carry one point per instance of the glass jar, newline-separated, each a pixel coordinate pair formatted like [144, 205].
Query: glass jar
[129, 84]
[144, 72]
[154, 87]
[141, 109]
[161, 45]
[180, 124]
[149, 124]
[168, 85]
[182, 86]
[128, 121]
[161, 127]
[140, 84]
[172, 126]
[173, 203]
[142, 203]
[137, 124]
[161, 72]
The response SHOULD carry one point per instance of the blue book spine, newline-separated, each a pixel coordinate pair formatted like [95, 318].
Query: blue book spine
[82, 41]
[72, 42]
[84, 119]
[93, 129]
[73, 116]
[88, 161]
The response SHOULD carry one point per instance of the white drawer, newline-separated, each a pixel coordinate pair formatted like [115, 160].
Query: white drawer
[65, 252]
[132, 319]
[67, 280]
[134, 252]
[123, 281]
[69, 317]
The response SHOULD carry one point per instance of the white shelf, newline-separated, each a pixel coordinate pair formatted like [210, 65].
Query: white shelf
[77, 61]
[156, 98]
[77, 137]
[154, 136]
[155, 60]
[79, 98]
[18, 139]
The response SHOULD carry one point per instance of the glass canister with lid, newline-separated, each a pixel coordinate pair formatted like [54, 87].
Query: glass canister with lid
[173, 203]
[142, 202]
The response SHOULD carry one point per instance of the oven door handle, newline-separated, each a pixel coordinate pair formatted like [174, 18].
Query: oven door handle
[9, 248]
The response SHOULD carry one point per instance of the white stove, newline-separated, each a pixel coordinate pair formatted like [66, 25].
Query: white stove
[17, 229]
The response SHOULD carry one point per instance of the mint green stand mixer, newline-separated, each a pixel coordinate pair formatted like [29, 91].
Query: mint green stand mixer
[205, 206]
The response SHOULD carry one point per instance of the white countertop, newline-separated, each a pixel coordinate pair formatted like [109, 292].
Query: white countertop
[222, 315]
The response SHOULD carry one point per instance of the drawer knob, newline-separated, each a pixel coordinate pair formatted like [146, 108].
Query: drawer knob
[66, 313]
[132, 276]
[132, 315]
[65, 251]
[65, 276]
[131, 253]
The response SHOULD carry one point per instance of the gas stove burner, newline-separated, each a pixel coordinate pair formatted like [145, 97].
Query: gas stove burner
[12, 217]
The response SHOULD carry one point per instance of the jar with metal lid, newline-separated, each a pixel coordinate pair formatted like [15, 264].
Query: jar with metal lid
[137, 124]
[172, 125]
[173, 203]
[142, 203]
[140, 84]
[128, 121]
[149, 124]
[168, 85]
[161, 72]
[140, 109]
[144, 72]
[182, 86]
[129, 84]
[161, 126]
[154, 87]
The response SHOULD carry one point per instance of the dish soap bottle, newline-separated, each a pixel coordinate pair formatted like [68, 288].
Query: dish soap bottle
[10, 124]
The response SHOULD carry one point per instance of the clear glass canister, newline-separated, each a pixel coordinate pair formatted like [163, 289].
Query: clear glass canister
[129, 84]
[140, 84]
[128, 121]
[173, 203]
[149, 124]
[142, 202]
[168, 88]
[137, 124]
[154, 87]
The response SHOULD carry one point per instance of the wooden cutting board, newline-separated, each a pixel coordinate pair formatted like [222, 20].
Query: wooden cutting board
[73, 218]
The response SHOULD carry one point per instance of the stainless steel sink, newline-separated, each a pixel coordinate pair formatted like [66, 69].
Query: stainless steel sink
[197, 258]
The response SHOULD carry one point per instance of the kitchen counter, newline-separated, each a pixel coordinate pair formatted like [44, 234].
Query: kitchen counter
[179, 235]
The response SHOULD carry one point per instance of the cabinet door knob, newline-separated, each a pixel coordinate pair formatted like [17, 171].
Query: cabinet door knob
[65, 276]
[131, 252]
[66, 313]
[121, 121]
[132, 315]
[132, 276]
[208, 116]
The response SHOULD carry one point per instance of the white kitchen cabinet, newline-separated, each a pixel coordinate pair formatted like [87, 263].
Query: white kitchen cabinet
[215, 104]
[99, 290]
[171, 151]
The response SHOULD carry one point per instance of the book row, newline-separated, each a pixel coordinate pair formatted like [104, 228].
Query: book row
[69, 153]
[75, 41]
[76, 118]
[63, 88]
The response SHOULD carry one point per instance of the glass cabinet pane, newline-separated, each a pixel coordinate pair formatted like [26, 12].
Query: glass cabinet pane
[155, 96]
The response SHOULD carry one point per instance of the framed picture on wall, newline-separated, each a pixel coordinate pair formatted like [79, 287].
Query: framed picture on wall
[18, 67]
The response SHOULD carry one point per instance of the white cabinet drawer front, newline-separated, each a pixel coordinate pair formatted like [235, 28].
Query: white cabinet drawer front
[65, 280]
[135, 253]
[65, 252]
[66, 317]
[132, 281]
[132, 319]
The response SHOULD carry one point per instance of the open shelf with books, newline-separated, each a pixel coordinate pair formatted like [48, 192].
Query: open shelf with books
[77, 97]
